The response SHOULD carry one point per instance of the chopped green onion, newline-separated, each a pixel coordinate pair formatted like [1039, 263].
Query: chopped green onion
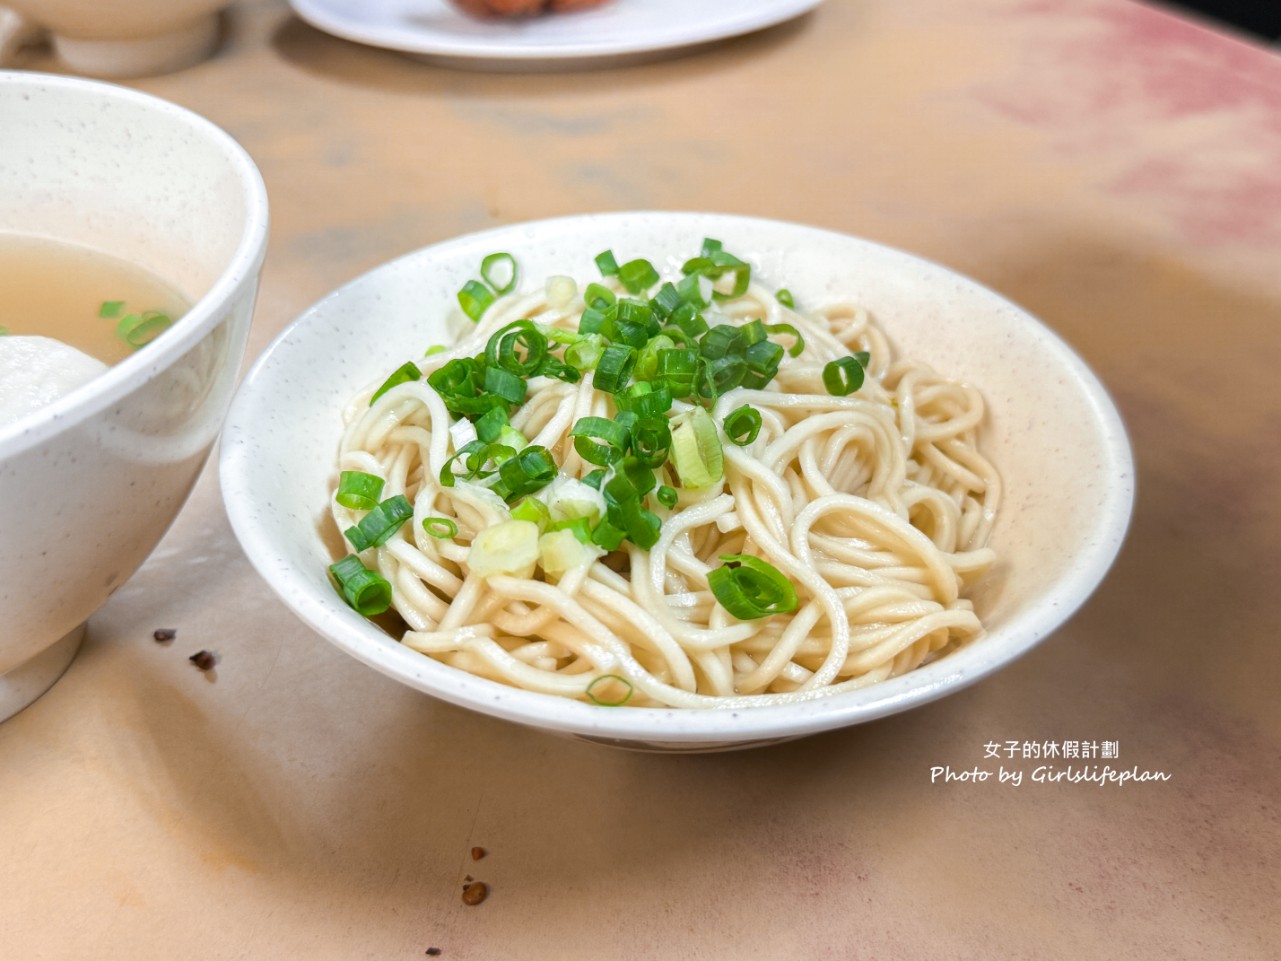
[696, 451]
[695, 290]
[843, 376]
[364, 590]
[637, 275]
[530, 470]
[784, 297]
[403, 374]
[644, 399]
[534, 510]
[599, 297]
[505, 384]
[688, 319]
[595, 478]
[722, 340]
[467, 453]
[593, 321]
[749, 587]
[501, 348]
[138, 330]
[762, 361]
[607, 264]
[490, 424]
[474, 298]
[608, 536]
[359, 491]
[676, 369]
[376, 527]
[434, 349]
[110, 308]
[667, 301]
[721, 375]
[796, 348]
[630, 333]
[652, 441]
[614, 369]
[585, 354]
[647, 359]
[743, 425]
[667, 496]
[441, 527]
[613, 438]
[500, 264]
[601, 691]
[580, 527]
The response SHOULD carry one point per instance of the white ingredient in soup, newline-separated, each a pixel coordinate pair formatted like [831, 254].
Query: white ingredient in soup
[693, 492]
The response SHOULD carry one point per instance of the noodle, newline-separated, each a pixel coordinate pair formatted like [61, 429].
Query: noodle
[876, 506]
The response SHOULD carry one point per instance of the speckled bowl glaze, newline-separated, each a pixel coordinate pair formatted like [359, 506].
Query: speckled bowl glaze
[1052, 432]
[89, 483]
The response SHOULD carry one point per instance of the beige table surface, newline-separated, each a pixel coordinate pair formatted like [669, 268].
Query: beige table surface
[1114, 169]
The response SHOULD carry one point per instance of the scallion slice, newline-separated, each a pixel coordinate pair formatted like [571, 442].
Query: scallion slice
[474, 298]
[528, 471]
[110, 309]
[585, 354]
[442, 527]
[138, 330]
[749, 587]
[843, 376]
[696, 451]
[614, 369]
[784, 297]
[637, 275]
[501, 349]
[599, 297]
[359, 491]
[676, 369]
[605, 690]
[489, 425]
[534, 510]
[798, 346]
[366, 591]
[606, 263]
[743, 425]
[600, 441]
[499, 271]
[505, 384]
[403, 374]
[652, 440]
[376, 527]
[667, 496]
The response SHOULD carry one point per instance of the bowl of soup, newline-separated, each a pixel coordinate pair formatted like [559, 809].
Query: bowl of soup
[132, 234]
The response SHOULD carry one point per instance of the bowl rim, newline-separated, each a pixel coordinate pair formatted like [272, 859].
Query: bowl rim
[121, 378]
[727, 726]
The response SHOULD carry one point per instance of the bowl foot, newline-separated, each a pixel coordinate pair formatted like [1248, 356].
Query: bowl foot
[146, 56]
[26, 682]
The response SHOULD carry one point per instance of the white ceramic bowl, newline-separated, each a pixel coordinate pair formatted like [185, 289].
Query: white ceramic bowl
[89, 483]
[1053, 433]
[123, 38]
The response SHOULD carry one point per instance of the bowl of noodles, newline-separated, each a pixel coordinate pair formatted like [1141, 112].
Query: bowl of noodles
[676, 481]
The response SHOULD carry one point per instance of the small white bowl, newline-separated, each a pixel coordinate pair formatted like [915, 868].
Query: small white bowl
[122, 38]
[90, 483]
[1053, 434]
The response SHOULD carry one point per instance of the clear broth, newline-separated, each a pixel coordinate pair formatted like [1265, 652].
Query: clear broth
[56, 289]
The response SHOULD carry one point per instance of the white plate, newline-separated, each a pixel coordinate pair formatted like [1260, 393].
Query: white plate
[620, 31]
[1054, 436]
